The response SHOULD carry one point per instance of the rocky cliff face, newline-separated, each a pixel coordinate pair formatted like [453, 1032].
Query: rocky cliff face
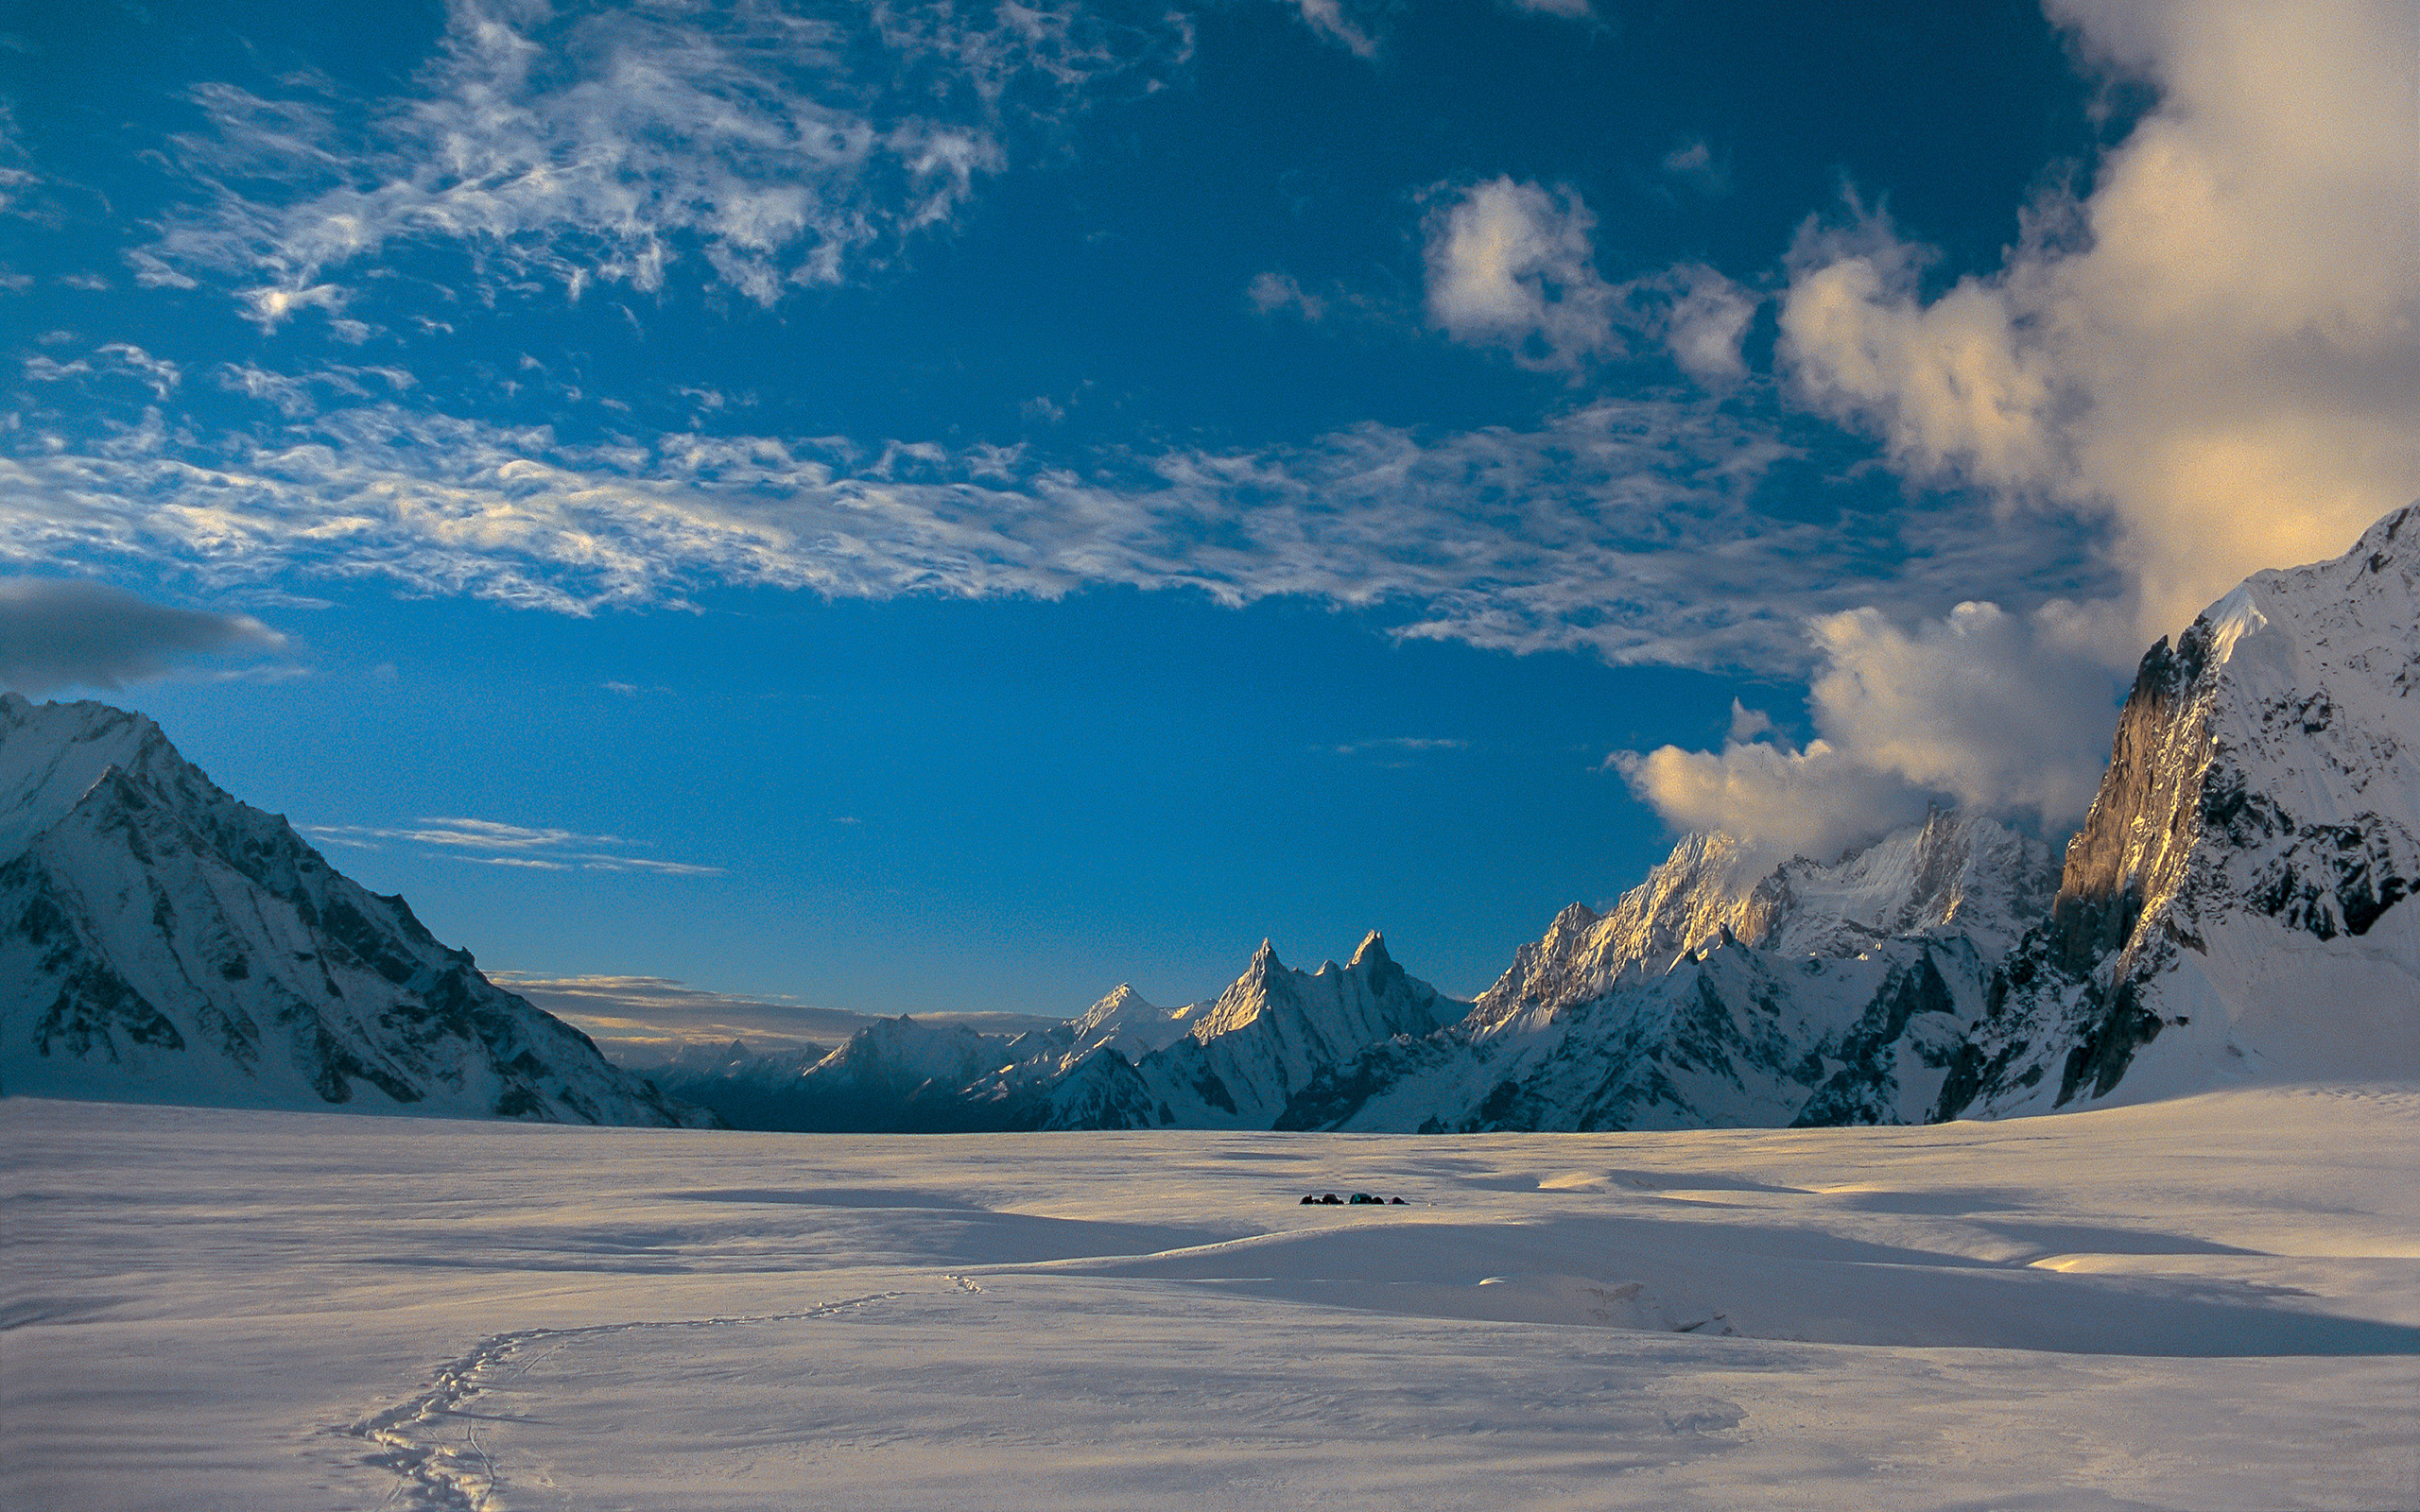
[2234, 907]
[161, 941]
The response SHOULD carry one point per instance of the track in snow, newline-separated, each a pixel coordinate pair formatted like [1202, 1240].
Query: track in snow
[461, 1479]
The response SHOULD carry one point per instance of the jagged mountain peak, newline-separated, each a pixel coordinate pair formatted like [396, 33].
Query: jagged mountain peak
[1952, 872]
[1371, 955]
[58, 751]
[2233, 905]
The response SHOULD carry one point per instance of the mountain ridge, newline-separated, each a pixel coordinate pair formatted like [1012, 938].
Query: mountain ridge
[160, 940]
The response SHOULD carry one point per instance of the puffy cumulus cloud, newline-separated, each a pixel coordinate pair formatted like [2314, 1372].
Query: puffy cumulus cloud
[1631, 527]
[1511, 265]
[1783, 802]
[62, 633]
[1747, 724]
[1997, 710]
[601, 143]
[2003, 713]
[1703, 319]
[2219, 345]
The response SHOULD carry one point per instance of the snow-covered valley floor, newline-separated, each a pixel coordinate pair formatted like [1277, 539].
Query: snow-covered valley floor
[2208, 1304]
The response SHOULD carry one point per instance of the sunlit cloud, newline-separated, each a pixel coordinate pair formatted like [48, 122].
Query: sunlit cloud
[2215, 350]
[2219, 345]
[1994, 712]
[1513, 264]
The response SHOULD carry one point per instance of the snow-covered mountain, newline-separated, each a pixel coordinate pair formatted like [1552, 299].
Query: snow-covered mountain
[2233, 908]
[2228, 912]
[1275, 1030]
[1234, 1063]
[1712, 996]
[161, 941]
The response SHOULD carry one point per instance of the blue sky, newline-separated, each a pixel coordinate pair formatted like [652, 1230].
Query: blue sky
[951, 508]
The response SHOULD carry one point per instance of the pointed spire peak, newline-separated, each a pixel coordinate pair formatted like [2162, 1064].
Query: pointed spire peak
[1371, 951]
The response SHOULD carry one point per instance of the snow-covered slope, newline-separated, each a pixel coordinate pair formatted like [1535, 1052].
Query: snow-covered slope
[161, 941]
[1124, 1023]
[2233, 908]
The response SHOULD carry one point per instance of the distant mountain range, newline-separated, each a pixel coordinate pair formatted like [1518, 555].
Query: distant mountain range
[2230, 912]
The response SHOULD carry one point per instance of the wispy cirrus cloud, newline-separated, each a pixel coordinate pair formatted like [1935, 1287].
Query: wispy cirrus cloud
[601, 145]
[1633, 527]
[114, 359]
[491, 842]
[1398, 742]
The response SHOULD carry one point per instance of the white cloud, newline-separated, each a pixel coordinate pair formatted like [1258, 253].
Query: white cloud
[1511, 265]
[1567, 10]
[156, 373]
[1272, 292]
[603, 143]
[1999, 711]
[119, 357]
[1694, 162]
[1703, 322]
[270, 306]
[1813, 803]
[2217, 349]
[1327, 17]
[2219, 345]
[2002, 713]
[1628, 527]
[491, 842]
[1747, 724]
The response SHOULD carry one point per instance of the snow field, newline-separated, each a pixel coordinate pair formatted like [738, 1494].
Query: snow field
[2207, 1304]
